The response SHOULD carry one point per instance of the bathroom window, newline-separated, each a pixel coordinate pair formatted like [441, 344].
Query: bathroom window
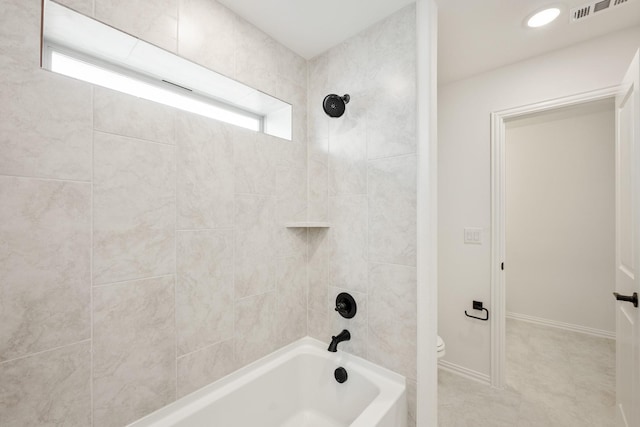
[83, 48]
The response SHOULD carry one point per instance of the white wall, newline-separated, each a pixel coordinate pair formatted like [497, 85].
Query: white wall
[464, 170]
[560, 216]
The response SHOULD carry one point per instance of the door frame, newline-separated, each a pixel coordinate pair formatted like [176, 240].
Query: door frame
[425, 394]
[498, 227]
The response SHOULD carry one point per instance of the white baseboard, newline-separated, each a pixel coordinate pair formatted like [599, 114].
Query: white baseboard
[561, 325]
[465, 372]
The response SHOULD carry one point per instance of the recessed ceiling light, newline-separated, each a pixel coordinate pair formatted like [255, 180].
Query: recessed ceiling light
[543, 17]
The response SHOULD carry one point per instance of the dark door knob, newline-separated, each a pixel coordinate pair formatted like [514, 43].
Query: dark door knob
[632, 299]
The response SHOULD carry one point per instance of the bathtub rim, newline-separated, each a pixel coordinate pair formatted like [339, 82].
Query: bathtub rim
[391, 385]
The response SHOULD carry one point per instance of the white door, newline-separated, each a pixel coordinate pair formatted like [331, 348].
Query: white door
[628, 248]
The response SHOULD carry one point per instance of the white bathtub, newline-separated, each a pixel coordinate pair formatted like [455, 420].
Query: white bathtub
[293, 387]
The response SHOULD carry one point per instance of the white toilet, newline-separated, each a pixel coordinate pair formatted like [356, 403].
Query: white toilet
[440, 347]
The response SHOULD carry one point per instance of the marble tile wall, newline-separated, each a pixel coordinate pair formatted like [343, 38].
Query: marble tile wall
[362, 179]
[142, 249]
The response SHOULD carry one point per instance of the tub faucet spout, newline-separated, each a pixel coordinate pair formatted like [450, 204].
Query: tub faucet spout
[342, 336]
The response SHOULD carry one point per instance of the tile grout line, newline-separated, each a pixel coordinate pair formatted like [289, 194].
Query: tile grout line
[176, 118]
[327, 262]
[205, 347]
[91, 306]
[234, 232]
[190, 230]
[345, 195]
[249, 193]
[368, 213]
[308, 201]
[233, 293]
[175, 241]
[178, 29]
[308, 195]
[26, 356]
[133, 138]
[367, 240]
[119, 282]
[375, 159]
[76, 181]
[259, 293]
[327, 323]
[392, 264]
[306, 265]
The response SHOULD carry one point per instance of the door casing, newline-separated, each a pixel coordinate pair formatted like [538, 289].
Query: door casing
[498, 199]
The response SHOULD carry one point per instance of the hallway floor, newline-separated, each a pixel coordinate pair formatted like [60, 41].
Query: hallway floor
[555, 378]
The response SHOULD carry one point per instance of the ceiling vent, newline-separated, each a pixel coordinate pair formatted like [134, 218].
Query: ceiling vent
[587, 10]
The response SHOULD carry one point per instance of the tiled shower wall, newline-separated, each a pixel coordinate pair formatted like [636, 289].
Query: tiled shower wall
[142, 253]
[362, 179]
[142, 249]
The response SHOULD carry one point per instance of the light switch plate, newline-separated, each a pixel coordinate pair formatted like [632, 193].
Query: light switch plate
[472, 236]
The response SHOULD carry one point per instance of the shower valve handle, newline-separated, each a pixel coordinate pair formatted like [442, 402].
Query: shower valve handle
[345, 305]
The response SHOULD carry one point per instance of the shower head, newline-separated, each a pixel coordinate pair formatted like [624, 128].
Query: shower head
[334, 105]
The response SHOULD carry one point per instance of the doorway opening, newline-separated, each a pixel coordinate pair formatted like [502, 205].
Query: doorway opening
[560, 262]
[553, 253]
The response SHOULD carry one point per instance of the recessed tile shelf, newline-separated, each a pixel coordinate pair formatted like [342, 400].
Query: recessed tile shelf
[308, 224]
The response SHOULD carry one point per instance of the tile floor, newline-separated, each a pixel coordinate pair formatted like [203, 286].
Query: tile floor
[555, 378]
